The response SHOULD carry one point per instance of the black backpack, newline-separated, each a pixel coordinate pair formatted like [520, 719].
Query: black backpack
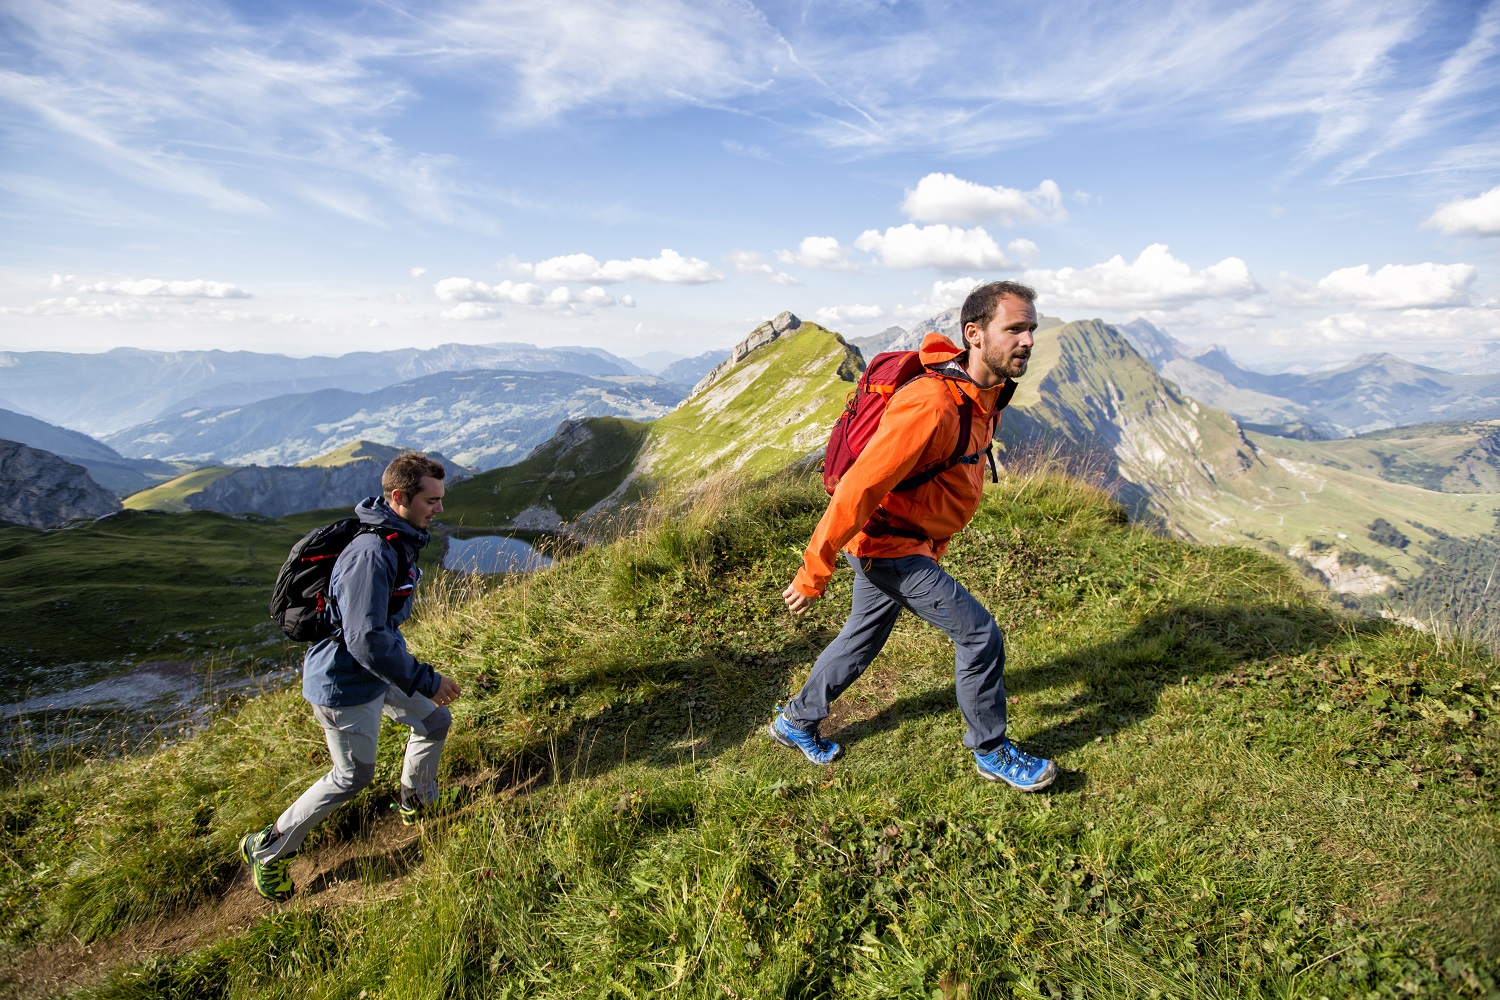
[299, 599]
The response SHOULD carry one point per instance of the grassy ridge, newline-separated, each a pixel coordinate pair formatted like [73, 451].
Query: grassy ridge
[171, 496]
[130, 587]
[1262, 797]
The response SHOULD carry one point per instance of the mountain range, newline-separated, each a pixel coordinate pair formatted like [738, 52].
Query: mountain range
[105, 393]
[480, 417]
[1372, 392]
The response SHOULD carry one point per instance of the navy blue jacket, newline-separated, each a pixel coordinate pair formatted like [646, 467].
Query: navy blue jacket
[368, 654]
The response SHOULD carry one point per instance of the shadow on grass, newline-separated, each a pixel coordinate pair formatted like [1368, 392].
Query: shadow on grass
[1123, 678]
[702, 706]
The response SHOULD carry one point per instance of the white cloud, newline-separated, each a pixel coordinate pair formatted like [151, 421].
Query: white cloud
[155, 288]
[946, 198]
[417, 272]
[1024, 250]
[946, 248]
[1154, 280]
[477, 300]
[817, 251]
[1469, 216]
[943, 295]
[469, 290]
[1408, 329]
[472, 310]
[1395, 286]
[667, 267]
[748, 262]
[831, 315]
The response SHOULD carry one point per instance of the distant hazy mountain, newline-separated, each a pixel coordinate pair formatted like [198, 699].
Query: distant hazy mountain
[689, 371]
[41, 490]
[338, 479]
[104, 465]
[872, 345]
[1372, 392]
[481, 418]
[104, 393]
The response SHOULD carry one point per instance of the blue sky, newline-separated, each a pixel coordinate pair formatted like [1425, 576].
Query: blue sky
[1300, 181]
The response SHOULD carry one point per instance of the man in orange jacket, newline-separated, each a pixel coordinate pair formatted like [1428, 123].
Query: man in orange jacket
[893, 540]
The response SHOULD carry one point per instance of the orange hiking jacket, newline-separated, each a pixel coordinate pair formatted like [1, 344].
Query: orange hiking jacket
[918, 429]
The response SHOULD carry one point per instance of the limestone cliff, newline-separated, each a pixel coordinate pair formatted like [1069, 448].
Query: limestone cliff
[41, 490]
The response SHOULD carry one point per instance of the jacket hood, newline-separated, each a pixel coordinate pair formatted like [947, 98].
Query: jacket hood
[375, 512]
[937, 348]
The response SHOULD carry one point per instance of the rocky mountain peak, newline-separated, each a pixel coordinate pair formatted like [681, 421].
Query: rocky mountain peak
[767, 333]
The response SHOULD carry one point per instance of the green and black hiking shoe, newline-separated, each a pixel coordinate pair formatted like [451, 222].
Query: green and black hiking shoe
[448, 800]
[273, 879]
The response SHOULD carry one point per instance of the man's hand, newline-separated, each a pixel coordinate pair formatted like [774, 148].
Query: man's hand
[796, 600]
[446, 692]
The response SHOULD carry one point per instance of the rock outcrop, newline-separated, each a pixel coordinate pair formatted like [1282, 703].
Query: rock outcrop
[275, 491]
[41, 490]
[766, 333]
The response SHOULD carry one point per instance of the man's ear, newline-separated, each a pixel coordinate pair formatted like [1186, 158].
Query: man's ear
[398, 499]
[964, 333]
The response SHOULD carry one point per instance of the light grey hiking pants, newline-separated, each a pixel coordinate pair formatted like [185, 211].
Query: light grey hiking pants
[882, 587]
[352, 732]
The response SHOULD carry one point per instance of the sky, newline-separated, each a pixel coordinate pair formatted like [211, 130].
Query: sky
[1300, 181]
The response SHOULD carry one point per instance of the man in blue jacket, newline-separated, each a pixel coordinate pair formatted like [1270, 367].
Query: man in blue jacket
[364, 670]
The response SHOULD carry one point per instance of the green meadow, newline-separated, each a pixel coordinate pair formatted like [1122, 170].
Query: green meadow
[1262, 795]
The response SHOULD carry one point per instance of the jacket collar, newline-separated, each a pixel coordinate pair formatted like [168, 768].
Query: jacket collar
[376, 513]
[941, 355]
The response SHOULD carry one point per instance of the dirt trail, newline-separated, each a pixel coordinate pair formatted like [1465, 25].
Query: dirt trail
[335, 874]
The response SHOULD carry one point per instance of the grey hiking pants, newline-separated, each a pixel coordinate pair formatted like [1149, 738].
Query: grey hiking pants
[352, 732]
[882, 587]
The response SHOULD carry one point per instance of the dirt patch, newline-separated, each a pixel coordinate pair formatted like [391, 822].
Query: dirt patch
[343, 873]
[866, 698]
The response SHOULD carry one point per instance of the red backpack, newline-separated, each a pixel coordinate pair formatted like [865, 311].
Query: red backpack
[886, 373]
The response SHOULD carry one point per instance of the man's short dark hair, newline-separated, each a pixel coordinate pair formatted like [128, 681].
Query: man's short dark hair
[405, 473]
[979, 307]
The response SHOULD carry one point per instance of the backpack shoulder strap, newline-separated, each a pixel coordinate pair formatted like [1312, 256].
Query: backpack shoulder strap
[965, 428]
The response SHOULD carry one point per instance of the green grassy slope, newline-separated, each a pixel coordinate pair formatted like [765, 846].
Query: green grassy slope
[353, 452]
[136, 586]
[566, 476]
[170, 495]
[1261, 796]
[1448, 458]
[772, 409]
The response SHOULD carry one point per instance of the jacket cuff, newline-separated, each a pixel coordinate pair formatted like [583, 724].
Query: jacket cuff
[803, 584]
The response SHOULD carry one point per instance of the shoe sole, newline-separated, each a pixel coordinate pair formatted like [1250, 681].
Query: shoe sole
[771, 728]
[1047, 778]
[245, 849]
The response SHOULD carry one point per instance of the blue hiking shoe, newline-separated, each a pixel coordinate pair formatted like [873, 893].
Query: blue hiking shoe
[813, 746]
[1014, 766]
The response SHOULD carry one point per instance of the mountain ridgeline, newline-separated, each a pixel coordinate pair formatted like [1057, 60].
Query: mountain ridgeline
[482, 418]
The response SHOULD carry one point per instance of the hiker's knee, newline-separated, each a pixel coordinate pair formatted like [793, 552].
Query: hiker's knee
[435, 726]
[354, 776]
